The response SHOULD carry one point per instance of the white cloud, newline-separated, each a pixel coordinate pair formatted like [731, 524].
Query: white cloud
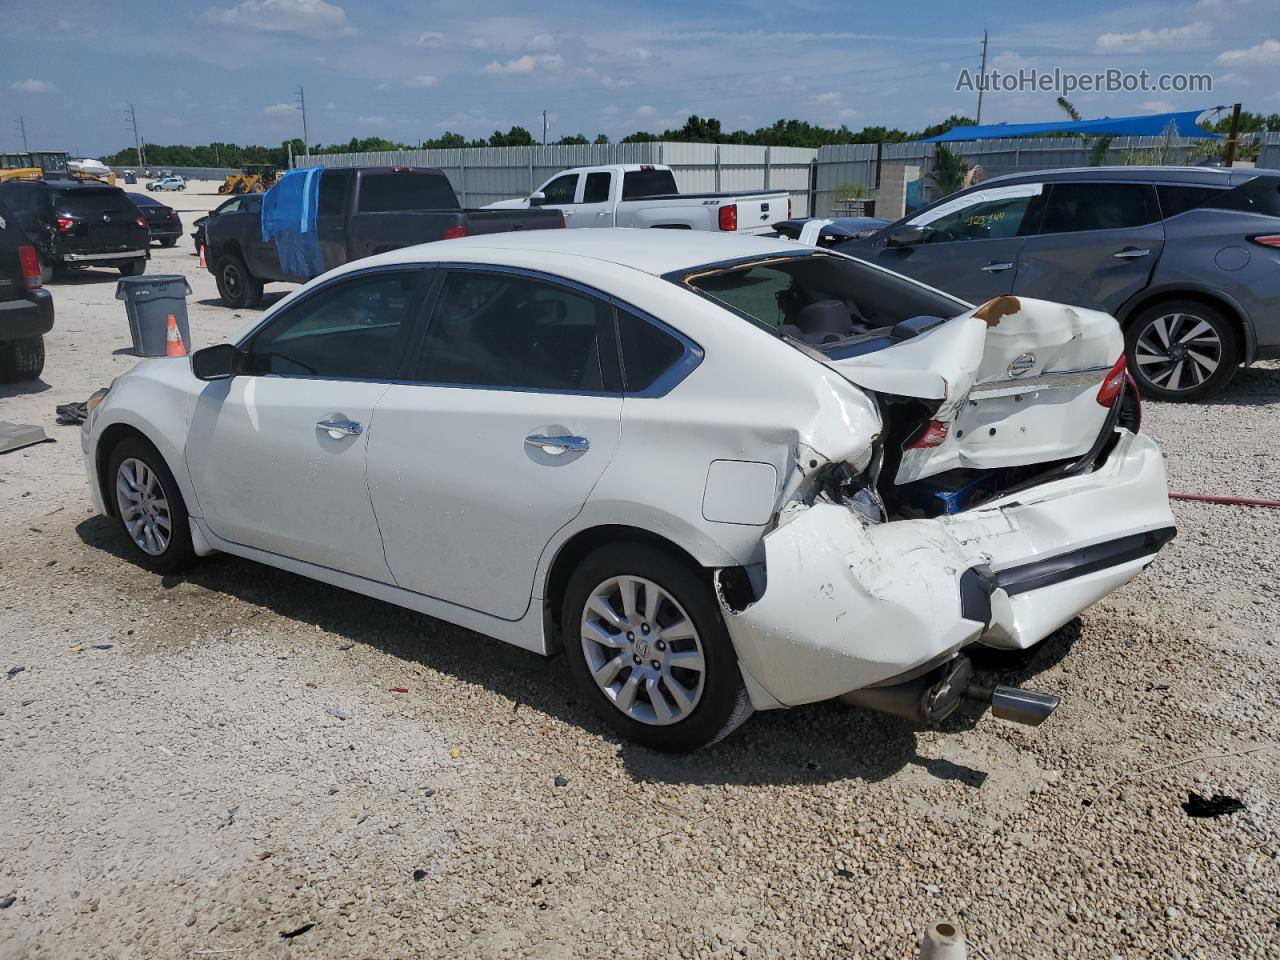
[542, 41]
[421, 80]
[527, 64]
[1264, 54]
[376, 121]
[279, 109]
[1234, 78]
[311, 18]
[31, 86]
[1164, 38]
[646, 112]
[430, 39]
[1158, 106]
[847, 114]
[829, 98]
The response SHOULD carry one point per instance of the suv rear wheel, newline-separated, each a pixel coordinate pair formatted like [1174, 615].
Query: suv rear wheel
[133, 268]
[236, 286]
[645, 642]
[21, 359]
[1182, 350]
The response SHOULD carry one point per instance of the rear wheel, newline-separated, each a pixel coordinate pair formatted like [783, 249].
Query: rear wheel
[236, 286]
[133, 268]
[1182, 350]
[21, 359]
[149, 506]
[169, 242]
[645, 642]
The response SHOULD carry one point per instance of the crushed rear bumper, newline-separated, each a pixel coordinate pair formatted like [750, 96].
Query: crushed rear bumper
[847, 604]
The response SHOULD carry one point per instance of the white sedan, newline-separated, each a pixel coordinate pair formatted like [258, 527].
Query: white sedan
[720, 473]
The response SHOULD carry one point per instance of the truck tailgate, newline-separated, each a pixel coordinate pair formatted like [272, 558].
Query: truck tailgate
[758, 211]
[505, 221]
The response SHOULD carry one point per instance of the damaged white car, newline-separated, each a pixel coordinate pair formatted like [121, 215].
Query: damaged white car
[721, 473]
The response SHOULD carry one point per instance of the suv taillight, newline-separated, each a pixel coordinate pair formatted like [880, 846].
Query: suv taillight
[729, 217]
[456, 231]
[1267, 240]
[66, 223]
[30, 266]
[141, 221]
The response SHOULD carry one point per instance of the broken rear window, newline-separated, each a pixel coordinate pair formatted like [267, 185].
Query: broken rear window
[820, 299]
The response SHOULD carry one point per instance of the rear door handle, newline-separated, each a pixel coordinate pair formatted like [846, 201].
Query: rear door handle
[997, 266]
[1130, 253]
[558, 444]
[339, 427]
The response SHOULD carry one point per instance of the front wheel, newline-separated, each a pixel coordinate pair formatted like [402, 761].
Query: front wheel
[21, 359]
[169, 242]
[236, 286]
[133, 268]
[149, 506]
[647, 646]
[1182, 350]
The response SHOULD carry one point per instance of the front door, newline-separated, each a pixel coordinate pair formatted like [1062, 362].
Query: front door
[1097, 246]
[499, 440]
[561, 194]
[277, 453]
[970, 244]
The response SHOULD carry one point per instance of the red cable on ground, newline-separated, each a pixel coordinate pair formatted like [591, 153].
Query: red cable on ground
[1233, 501]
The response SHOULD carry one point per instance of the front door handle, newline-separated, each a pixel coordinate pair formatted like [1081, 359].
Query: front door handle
[338, 427]
[997, 266]
[558, 444]
[1131, 253]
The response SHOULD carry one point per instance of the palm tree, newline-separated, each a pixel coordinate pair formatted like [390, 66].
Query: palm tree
[1097, 146]
[949, 170]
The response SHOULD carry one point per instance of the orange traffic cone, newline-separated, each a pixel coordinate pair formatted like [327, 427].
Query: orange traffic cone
[173, 346]
[203, 265]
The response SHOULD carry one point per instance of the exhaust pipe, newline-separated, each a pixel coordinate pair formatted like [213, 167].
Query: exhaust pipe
[935, 694]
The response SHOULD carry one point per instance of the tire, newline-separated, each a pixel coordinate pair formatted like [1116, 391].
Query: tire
[137, 466]
[21, 359]
[715, 699]
[133, 268]
[1177, 370]
[169, 242]
[236, 286]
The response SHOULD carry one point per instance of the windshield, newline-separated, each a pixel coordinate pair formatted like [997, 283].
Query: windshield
[820, 299]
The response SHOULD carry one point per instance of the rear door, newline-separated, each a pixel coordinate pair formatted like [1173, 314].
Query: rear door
[595, 205]
[1097, 246]
[971, 242]
[332, 212]
[511, 418]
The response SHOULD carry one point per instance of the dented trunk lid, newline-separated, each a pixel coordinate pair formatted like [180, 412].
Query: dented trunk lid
[1015, 381]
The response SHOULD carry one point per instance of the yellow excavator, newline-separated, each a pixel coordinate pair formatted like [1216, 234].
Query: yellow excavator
[252, 178]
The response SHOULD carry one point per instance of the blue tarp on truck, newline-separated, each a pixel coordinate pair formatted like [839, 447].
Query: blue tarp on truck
[289, 221]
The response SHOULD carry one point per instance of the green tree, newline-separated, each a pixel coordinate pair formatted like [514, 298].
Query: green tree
[602, 138]
[515, 137]
[949, 169]
[577, 138]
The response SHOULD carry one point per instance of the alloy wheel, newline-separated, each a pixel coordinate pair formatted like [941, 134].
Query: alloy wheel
[643, 650]
[232, 280]
[144, 507]
[1178, 351]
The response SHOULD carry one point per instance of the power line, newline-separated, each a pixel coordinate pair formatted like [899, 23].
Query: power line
[132, 118]
[982, 77]
[302, 105]
[21, 125]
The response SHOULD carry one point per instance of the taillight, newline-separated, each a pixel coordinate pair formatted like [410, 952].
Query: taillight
[934, 435]
[1268, 240]
[66, 223]
[1113, 385]
[563, 225]
[30, 266]
[456, 231]
[729, 217]
[141, 221]
[788, 208]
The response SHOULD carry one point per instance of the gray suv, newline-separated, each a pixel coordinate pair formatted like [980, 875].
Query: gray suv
[1186, 258]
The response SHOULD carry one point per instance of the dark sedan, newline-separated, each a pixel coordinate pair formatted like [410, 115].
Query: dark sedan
[163, 221]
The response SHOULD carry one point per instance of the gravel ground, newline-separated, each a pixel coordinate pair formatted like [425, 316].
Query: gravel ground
[189, 792]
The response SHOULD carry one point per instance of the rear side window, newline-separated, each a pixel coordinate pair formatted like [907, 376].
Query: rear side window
[92, 202]
[386, 192]
[597, 188]
[648, 183]
[647, 351]
[29, 198]
[333, 193]
[1179, 199]
[1074, 207]
[1259, 195]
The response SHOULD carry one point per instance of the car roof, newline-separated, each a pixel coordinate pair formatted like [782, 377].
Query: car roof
[655, 252]
[1206, 175]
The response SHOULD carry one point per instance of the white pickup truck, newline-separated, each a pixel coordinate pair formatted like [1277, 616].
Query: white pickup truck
[645, 195]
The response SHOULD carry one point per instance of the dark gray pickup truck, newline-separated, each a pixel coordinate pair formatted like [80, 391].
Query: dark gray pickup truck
[361, 211]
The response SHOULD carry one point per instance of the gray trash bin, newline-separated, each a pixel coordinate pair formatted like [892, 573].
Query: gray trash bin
[149, 300]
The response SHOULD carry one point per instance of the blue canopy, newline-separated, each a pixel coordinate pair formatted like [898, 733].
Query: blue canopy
[1148, 125]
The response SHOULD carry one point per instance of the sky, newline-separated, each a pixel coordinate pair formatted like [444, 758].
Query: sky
[229, 70]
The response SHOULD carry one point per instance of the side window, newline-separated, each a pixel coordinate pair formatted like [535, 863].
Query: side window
[351, 330]
[993, 214]
[1074, 207]
[506, 331]
[231, 206]
[647, 351]
[1259, 195]
[561, 189]
[333, 193]
[1176, 199]
[252, 205]
[597, 188]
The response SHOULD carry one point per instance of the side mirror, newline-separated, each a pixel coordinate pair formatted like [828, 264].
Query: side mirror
[537, 199]
[219, 362]
[906, 236]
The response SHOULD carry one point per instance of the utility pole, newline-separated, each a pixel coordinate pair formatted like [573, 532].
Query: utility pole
[22, 129]
[132, 117]
[982, 77]
[302, 105]
[544, 128]
[1233, 138]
